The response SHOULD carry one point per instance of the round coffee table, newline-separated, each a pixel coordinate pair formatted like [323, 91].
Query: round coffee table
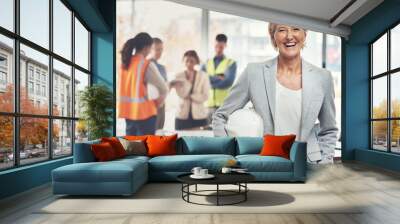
[238, 179]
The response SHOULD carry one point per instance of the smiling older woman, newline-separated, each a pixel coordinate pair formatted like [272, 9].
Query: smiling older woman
[289, 94]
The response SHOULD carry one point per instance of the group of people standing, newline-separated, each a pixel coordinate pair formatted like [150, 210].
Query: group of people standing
[201, 91]
[288, 93]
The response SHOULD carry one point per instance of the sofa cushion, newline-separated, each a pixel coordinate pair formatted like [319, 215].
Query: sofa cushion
[257, 163]
[194, 145]
[112, 171]
[161, 145]
[134, 147]
[275, 145]
[103, 152]
[249, 145]
[185, 163]
[116, 145]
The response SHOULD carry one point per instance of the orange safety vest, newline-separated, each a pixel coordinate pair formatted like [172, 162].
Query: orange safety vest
[133, 102]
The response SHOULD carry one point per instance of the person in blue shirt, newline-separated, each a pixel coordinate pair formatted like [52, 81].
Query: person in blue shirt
[156, 53]
[222, 73]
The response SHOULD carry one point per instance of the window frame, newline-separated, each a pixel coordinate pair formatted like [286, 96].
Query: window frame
[388, 74]
[16, 114]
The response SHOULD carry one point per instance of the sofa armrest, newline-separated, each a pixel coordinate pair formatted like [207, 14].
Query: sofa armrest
[298, 155]
[83, 152]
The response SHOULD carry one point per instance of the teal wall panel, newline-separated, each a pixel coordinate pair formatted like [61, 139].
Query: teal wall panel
[380, 159]
[24, 178]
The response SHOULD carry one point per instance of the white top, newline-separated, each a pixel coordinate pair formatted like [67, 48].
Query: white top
[287, 111]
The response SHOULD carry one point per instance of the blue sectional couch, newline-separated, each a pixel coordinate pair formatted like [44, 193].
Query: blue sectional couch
[125, 176]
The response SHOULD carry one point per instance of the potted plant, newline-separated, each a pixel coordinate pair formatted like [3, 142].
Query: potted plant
[96, 103]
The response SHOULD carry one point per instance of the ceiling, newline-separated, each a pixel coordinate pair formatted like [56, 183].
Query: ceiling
[328, 16]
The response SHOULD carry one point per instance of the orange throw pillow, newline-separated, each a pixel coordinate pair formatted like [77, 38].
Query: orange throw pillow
[116, 145]
[161, 145]
[277, 145]
[103, 152]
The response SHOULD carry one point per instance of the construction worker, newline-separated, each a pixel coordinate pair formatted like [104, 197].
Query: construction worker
[136, 72]
[222, 72]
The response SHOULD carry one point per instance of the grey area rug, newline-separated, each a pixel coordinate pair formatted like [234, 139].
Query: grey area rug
[166, 198]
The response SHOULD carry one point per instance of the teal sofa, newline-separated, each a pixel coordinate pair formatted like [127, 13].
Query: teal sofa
[125, 176]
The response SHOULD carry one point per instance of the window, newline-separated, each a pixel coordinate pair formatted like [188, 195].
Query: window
[61, 74]
[395, 47]
[3, 72]
[3, 61]
[3, 78]
[37, 75]
[81, 45]
[6, 73]
[62, 137]
[44, 77]
[62, 29]
[34, 21]
[6, 142]
[44, 91]
[7, 14]
[30, 87]
[385, 94]
[37, 89]
[30, 72]
[81, 81]
[247, 38]
[45, 131]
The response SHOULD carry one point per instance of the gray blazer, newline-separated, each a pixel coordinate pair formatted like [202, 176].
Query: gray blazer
[257, 84]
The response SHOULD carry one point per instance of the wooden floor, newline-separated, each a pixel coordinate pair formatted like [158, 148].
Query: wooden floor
[379, 189]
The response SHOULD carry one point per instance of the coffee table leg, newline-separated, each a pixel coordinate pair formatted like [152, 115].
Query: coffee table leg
[217, 194]
[245, 193]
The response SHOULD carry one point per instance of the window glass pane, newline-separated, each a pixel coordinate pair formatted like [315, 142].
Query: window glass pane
[81, 45]
[379, 135]
[395, 138]
[7, 14]
[81, 81]
[62, 29]
[312, 51]
[81, 131]
[333, 64]
[379, 97]
[33, 139]
[34, 72]
[395, 94]
[6, 142]
[247, 39]
[62, 89]
[379, 55]
[395, 47]
[62, 138]
[6, 74]
[35, 21]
